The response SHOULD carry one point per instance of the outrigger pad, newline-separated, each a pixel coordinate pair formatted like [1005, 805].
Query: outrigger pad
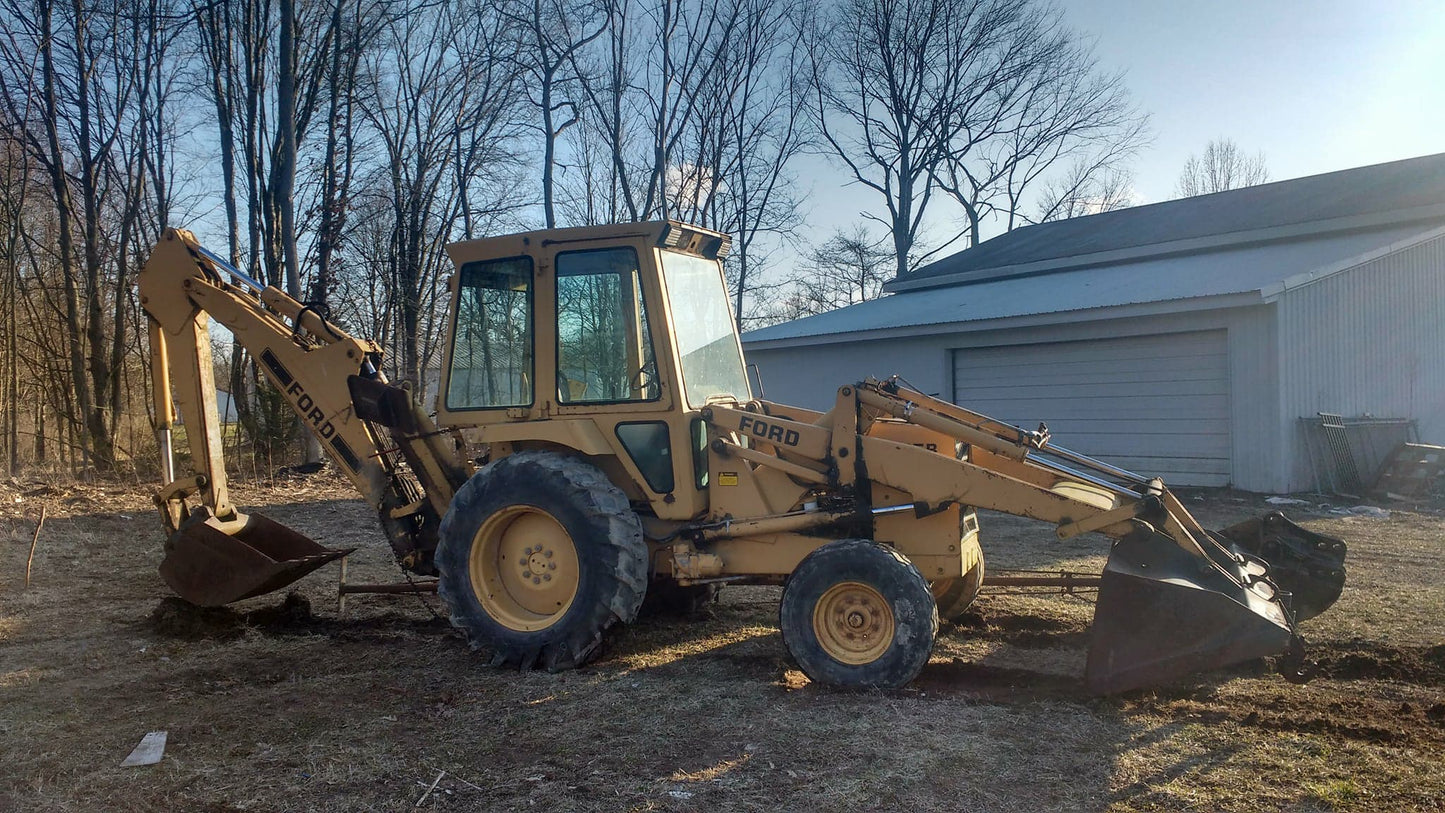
[1164, 613]
[209, 567]
[1309, 566]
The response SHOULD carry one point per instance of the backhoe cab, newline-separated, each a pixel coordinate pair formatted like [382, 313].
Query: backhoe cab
[596, 375]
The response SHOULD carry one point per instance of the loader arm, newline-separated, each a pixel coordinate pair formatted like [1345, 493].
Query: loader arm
[366, 426]
[1174, 596]
[1006, 470]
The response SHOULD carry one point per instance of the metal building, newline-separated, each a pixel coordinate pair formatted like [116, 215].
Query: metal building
[1183, 339]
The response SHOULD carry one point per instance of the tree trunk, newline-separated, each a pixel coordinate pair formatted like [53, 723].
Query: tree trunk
[63, 211]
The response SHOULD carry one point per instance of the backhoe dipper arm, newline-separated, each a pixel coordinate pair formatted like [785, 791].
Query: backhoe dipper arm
[310, 361]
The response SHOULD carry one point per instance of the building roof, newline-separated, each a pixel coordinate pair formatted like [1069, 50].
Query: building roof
[1412, 190]
[1226, 277]
[1243, 246]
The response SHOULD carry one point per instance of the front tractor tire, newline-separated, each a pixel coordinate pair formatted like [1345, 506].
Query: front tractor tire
[539, 556]
[857, 614]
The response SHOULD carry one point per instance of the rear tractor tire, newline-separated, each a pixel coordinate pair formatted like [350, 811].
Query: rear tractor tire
[857, 614]
[955, 596]
[539, 556]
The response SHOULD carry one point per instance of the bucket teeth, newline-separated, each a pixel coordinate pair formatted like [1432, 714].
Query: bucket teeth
[1164, 613]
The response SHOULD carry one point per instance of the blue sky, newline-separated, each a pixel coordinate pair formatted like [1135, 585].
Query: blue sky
[1316, 86]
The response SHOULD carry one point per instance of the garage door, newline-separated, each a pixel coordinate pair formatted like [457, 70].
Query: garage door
[1157, 405]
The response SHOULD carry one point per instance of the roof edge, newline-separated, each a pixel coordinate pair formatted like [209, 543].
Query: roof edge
[1126, 310]
[1274, 290]
[1237, 239]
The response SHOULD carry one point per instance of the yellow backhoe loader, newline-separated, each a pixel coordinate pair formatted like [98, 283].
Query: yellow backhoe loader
[596, 442]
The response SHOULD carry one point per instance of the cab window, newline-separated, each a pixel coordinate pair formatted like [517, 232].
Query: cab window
[492, 340]
[604, 347]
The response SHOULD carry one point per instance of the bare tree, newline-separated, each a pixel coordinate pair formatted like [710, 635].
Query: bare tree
[895, 80]
[338, 164]
[83, 95]
[849, 267]
[974, 98]
[266, 71]
[441, 99]
[645, 89]
[1083, 190]
[749, 126]
[1224, 166]
[1059, 127]
[602, 188]
[551, 33]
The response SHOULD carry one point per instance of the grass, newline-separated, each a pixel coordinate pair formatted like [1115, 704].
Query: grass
[362, 712]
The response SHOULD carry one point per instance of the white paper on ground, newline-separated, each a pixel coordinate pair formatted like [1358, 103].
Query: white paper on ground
[149, 752]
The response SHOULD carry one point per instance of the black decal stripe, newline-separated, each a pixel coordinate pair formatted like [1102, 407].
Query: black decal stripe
[347, 456]
[277, 369]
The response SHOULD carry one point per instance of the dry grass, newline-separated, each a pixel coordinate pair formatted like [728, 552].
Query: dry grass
[361, 712]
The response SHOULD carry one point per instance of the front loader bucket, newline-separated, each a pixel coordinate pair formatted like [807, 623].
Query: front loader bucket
[1164, 612]
[212, 563]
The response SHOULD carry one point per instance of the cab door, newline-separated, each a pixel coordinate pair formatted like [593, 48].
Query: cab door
[611, 365]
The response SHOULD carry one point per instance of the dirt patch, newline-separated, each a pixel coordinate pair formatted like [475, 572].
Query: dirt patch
[1367, 720]
[988, 621]
[1367, 660]
[998, 684]
[282, 703]
[177, 618]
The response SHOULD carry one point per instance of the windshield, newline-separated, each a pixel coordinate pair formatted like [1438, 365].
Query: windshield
[712, 364]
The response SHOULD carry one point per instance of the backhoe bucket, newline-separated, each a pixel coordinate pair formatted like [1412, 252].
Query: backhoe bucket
[1164, 612]
[213, 562]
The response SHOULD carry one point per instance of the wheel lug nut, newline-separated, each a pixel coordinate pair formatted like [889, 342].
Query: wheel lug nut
[548, 554]
[536, 580]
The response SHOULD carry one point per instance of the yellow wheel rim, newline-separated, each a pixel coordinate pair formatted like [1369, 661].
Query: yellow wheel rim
[524, 568]
[853, 623]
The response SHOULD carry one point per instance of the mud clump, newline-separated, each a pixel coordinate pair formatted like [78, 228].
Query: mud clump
[293, 613]
[1436, 713]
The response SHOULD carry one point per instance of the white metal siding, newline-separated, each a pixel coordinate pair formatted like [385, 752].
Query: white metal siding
[1367, 340]
[809, 375]
[1158, 405]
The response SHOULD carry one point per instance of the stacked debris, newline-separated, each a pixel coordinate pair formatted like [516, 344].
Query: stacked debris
[1346, 455]
[1415, 472]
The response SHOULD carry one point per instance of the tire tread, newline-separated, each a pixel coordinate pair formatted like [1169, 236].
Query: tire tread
[623, 557]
